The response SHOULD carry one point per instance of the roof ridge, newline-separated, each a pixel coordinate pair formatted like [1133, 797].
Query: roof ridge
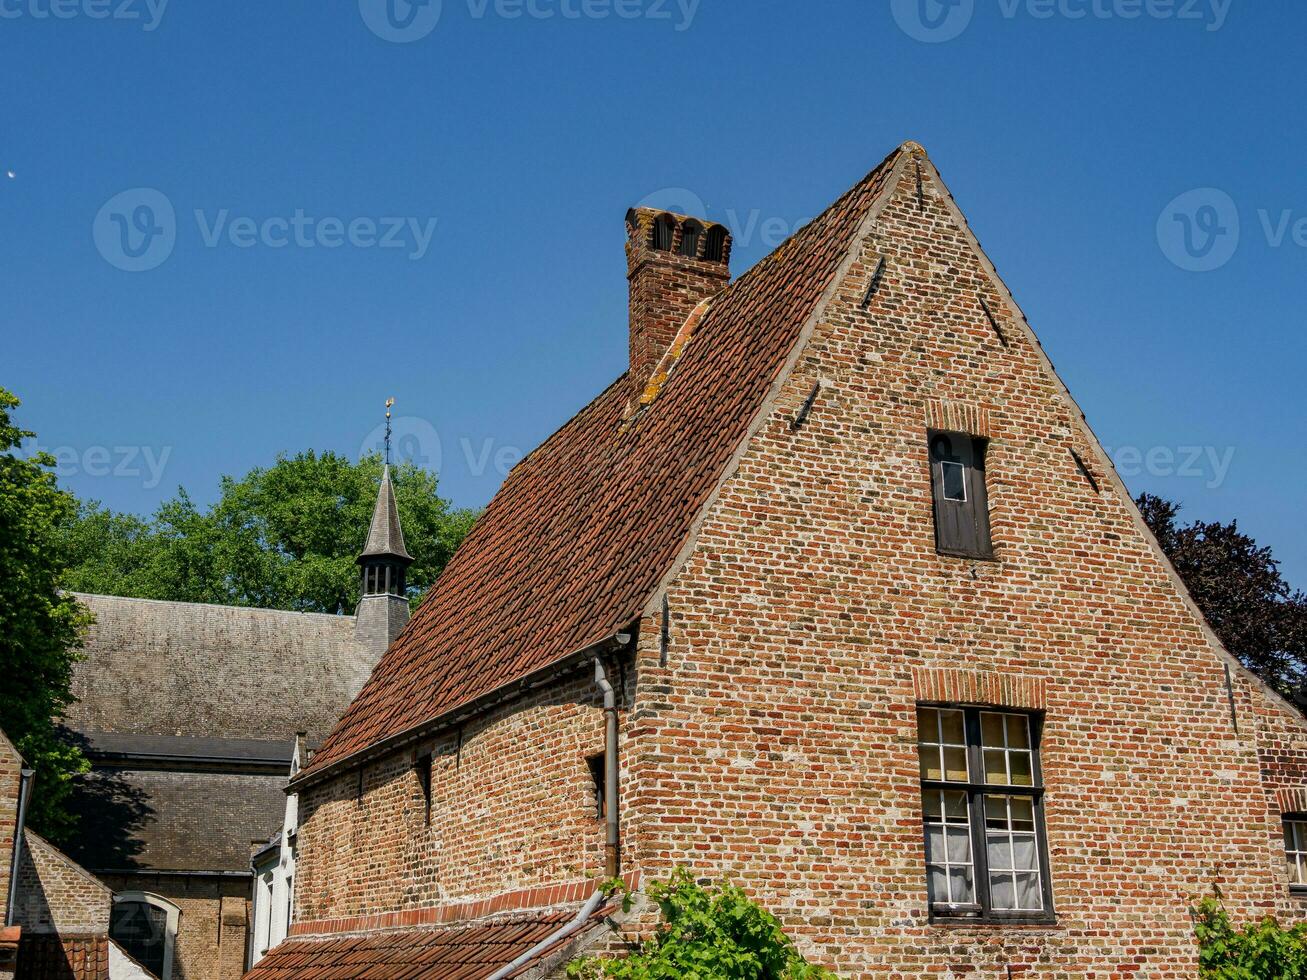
[211, 605]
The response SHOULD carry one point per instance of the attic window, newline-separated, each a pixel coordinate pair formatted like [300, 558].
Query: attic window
[690, 239]
[714, 246]
[599, 784]
[957, 474]
[662, 233]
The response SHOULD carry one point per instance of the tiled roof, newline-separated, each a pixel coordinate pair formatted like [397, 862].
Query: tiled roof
[47, 956]
[466, 952]
[574, 544]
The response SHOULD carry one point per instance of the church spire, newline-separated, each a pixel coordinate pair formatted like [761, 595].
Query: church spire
[383, 604]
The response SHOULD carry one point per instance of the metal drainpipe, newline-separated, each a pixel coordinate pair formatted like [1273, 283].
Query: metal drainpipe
[24, 794]
[612, 841]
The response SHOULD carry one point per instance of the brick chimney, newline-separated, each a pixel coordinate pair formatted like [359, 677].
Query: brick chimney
[673, 263]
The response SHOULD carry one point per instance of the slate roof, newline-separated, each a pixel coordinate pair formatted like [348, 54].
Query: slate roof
[385, 536]
[173, 819]
[574, 544]
[247, 752]
[209, 671]
[466, 952]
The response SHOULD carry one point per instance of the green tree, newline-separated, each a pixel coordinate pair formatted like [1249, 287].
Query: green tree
[284, 537]
[41, 628]
[707, 934]
[1237, 585]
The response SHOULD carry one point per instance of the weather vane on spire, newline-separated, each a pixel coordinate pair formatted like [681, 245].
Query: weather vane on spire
[389, 404]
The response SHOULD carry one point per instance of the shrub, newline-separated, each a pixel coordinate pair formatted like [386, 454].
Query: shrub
[1265, 951]
[707, 934]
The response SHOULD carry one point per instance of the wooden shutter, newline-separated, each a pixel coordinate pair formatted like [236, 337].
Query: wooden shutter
[957, 472]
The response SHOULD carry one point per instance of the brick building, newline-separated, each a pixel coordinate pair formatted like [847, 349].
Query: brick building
[833, 592]
[56, 914]
[189, 714]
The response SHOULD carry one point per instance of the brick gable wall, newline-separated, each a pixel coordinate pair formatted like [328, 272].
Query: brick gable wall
[57, 895]
[814, 612]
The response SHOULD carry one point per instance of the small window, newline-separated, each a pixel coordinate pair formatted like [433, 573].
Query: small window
[599, 784]
[982, 810]
[424, 783]
[957, 470]
[690, 239]
[714, 245]
[664, 230]
[1295, 850]
[145, 926]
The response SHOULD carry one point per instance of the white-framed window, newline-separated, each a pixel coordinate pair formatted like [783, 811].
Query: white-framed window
[1295, 850]
[982, 812]
[145, 926]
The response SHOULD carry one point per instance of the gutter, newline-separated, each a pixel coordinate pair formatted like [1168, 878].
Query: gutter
[24, 795]
[566, 932]
[452, 719]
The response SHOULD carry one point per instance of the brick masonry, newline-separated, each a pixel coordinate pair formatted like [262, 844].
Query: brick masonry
[57, 895]
[212, 924]
[772, 736]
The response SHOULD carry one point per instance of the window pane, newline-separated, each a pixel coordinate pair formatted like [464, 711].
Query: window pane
[955, 765]
[1020, 773]
[996, 767]
[952, 728]
[1028, 896]
[959, 845]
[1002, 892]
[1023, 813]
[927, 725]
[1295, 836]
[1024, 854]
[1018, 732]
[955, 807]
[955, 481]
[960, 884]
[930, 764]
[991, 730]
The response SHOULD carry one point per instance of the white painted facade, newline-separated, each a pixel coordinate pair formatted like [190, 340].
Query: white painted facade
[274, 878]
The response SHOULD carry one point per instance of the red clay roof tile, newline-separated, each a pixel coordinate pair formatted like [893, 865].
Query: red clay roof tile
[475, 950]
[573, 545]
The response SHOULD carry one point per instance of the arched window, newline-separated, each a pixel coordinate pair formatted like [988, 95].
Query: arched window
[145, 926]
[714, 246]
[663, 232]
[690, 232]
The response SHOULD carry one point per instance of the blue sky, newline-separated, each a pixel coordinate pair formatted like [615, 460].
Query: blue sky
[493, 151]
